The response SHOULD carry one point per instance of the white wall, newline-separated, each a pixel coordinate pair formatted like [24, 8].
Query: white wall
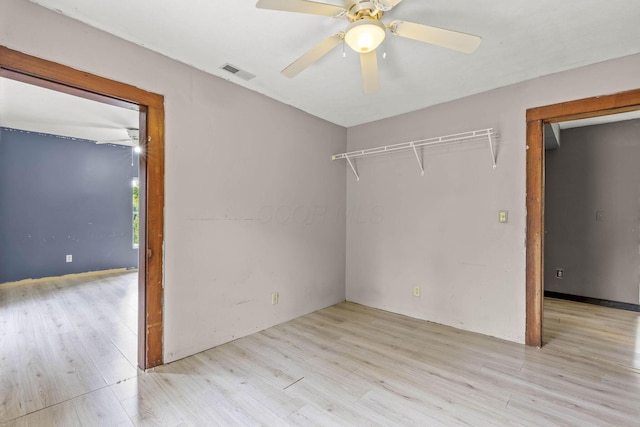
[441, 231]
[254, 204]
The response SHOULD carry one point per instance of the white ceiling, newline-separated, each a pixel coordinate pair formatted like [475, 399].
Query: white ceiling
[612, 118]
[27, 107]
[522, 39]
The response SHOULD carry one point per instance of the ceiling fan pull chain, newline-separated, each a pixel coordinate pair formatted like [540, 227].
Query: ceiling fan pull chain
[384, 49]
[344, 53]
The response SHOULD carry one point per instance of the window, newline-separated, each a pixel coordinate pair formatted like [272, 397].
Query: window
[135, 201]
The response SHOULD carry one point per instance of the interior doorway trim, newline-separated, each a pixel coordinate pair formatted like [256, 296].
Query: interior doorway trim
[536, 119]
[17, 65]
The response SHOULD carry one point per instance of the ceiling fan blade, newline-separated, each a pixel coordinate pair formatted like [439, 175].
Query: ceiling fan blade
[324, 47]
[112, 141]
[369, 67]
[455, 40]
[301, 6]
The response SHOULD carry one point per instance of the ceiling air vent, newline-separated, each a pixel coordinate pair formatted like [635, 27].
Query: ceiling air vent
[237, 72]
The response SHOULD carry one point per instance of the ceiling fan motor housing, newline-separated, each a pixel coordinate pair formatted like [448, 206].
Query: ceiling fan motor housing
[363, 9]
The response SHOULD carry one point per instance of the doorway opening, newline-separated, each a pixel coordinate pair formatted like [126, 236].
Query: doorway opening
[537, 118]
[28, 69]
[67, 228]
[592, 241]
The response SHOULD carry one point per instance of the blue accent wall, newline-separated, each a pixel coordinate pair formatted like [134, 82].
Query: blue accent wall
[62, 196]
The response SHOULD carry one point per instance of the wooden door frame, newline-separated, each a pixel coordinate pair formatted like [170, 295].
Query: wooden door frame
[17, 65]
[536, 119]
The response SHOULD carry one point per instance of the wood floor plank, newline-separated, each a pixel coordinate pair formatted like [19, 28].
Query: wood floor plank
[311, 415]
[143, 405]
[60, 415]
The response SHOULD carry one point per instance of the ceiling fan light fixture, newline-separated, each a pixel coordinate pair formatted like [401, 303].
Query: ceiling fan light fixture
[365, 35]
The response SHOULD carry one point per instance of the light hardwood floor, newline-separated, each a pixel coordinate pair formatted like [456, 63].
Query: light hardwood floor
[65, 338]
[344, 365]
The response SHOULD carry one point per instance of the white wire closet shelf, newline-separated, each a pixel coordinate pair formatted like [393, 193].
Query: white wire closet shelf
[477, 135]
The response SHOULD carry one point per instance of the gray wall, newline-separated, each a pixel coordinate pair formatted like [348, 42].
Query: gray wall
[253, 202]
[58, 197]
[595, 170]
[440, 231]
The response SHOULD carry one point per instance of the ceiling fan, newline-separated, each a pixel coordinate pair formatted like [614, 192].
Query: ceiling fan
[132, 140]
[365, 32]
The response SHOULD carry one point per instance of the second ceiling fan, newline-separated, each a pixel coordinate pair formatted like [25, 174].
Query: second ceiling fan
[365, 32]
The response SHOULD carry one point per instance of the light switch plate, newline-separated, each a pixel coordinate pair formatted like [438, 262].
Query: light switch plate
[503, 217]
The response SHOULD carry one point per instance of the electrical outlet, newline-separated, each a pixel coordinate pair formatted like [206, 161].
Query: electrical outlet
[416, 291]
[69, 258]
[560, 273]
[274, 298]
[503, 217]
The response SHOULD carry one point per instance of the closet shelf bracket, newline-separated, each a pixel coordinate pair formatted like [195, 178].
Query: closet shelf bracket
[355, 172]
[493, 151]
[415, 151]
